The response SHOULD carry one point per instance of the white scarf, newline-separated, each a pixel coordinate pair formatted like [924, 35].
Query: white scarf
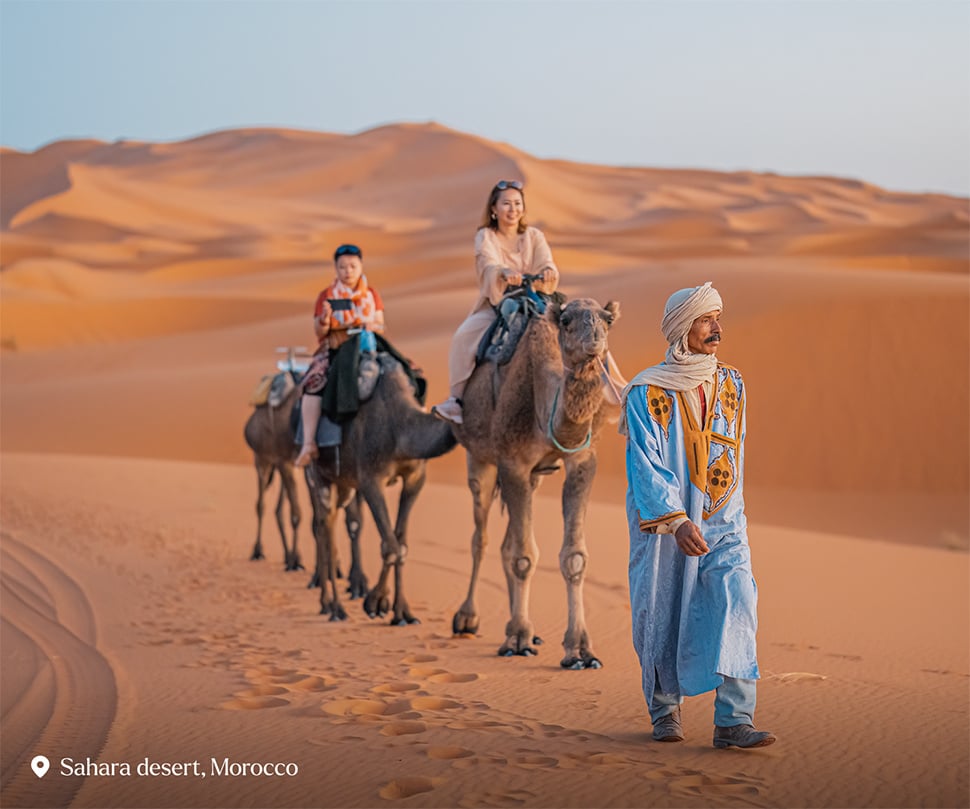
[682, 370]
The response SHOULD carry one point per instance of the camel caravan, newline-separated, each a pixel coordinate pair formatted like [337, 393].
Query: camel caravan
[535, 405]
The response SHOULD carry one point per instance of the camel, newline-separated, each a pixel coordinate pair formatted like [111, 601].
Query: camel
[540, 412]
[391, 437]
[269, 435]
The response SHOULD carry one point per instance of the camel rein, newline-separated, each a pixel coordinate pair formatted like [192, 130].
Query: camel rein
[560, 447]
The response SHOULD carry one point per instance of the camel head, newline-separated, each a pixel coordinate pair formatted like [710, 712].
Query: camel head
[583, 325]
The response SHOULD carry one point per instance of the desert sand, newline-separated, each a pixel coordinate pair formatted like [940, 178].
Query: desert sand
[145, 288]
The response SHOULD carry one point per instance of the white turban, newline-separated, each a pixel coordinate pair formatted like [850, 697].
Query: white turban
[682, 309]
[681, 370]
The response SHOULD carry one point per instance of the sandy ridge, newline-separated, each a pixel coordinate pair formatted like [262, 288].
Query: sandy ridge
[71, 705]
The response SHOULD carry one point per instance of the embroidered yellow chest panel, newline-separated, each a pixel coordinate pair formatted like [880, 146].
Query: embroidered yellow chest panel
[712, 458]
[659, 404]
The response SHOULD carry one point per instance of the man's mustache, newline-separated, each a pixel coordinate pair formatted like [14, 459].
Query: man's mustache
[714, 338]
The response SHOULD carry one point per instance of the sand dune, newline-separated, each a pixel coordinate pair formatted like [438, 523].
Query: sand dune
[145, 288]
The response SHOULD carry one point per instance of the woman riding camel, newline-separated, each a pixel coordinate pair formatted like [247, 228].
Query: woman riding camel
[506, 248]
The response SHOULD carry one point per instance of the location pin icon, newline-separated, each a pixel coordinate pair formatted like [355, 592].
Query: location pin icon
[40, 765]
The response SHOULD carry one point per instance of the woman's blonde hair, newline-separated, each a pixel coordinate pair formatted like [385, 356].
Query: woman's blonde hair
[489, 220]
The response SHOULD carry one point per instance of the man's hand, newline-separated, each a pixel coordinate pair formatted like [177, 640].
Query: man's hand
[690, 540]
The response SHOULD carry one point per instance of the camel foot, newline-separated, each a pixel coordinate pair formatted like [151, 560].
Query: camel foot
[464, 623]
[314, 582]
[580, 663]
[405, 620]
[357, 586]
[257, 554]
[376, 605]
[519, 640]
[338, 613]
[294, 564]
[526, 651]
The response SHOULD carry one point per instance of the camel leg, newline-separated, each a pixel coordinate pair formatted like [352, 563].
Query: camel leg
[264, 476]
[520, 554]
[376, 603]
[481, 481]
[325, 506]
[573, 560]
[291, 555]
[329, 595]
[312, 481]
[354, 519]
[411, 486]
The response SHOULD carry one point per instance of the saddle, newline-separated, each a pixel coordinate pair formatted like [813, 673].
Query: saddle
[513, 314]
[272, 389]
[353, 375]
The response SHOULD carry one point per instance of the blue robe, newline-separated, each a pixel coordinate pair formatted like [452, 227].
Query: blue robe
[694, 618]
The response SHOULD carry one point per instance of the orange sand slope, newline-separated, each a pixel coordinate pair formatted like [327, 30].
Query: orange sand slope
[862, 648]
[145, 286]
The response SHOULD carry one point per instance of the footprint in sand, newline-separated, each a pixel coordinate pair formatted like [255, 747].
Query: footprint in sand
[311, 683]
[425, 672]
[449, 677]
[433, 704]
[554, 731]
[532, 761]
[408, 786]
[479, 724]
[395, 688]
[355, 707]
[265, 673]
[473, 762]
[403, 728]
[253, 703]
[796, 677]
[262, 691]
[419, 658]
[401, 709]
[514, 797]
[604, 760]
[685, 782]
[449, 753]
[715, 786]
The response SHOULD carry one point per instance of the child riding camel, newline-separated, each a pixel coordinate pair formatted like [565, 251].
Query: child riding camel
[348, 303]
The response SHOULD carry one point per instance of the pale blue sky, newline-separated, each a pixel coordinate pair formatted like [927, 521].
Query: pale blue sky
[873, 89]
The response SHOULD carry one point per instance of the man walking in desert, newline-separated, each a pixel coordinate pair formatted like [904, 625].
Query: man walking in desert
[692, 592]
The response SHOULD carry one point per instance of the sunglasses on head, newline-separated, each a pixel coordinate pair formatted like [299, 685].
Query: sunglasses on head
[348, 250]
[501, 185]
